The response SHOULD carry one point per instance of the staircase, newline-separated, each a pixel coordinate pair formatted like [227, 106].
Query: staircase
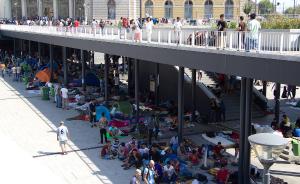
[231, 101]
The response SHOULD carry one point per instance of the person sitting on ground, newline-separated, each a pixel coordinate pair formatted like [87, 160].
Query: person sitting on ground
[115, 148]
[181, 152]
[132, 142]
[222, 175]
[106, 151]
[135, 159]
[285, 126]
[193, 158]
[144, 151]
[218, 150]
[113, 131]
[155, 154]
[169, 174]
[122, 151]
[174, 143]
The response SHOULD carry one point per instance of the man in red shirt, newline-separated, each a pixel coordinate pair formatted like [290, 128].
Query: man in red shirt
[222, 175]
[218, 150]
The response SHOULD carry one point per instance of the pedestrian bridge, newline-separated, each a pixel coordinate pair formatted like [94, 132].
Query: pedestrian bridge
[277, 57]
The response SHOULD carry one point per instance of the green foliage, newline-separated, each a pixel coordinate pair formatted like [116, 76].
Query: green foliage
[247, 8]
[280, 22]
[265, 7]
[232, 25]
[291, 10]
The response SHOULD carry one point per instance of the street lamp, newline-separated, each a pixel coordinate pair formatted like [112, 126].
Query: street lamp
[267, 147]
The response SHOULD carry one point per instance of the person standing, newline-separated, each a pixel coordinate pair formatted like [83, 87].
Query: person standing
[222, 26]
[64, 95]
[92, 107]
[177, 29]
[63, 136]
[116, 83]
[149, 173]
[136, 179]
[18, 71]
[76, 25]
[103, 125]
[241, 28]
[94, 26]
[14, 72]
[253, 28]
[149, 27]
[102, 25]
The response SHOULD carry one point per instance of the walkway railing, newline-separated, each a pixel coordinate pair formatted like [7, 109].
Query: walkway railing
[267, 42]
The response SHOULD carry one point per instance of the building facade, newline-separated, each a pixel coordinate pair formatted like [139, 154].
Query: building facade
[114, 9]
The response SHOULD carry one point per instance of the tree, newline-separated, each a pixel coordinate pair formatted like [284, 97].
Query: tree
[247, 8]
[291, 10]
[265, 7]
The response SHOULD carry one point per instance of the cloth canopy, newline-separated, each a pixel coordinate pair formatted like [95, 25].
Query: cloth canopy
[124, 106]
[44, 75]
[102, 109]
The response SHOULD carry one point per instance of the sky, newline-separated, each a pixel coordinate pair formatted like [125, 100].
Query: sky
[287, 4]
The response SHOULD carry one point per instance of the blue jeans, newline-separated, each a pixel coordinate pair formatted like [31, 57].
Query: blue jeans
[251, 44]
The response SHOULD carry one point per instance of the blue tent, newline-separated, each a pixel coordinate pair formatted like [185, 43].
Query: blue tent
[92, 80]
[100, 110]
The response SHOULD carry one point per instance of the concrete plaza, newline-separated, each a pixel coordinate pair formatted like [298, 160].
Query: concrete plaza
[30, 150]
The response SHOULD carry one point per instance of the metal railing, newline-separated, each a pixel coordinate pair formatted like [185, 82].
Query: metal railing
[266, 42]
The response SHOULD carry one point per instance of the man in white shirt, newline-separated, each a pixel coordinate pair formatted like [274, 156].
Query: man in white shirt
[253, 28]
[94, 26]
[18, 71]
[14, 72]
[177, 29]
[62, 136]
[64, 95]
[149, 27]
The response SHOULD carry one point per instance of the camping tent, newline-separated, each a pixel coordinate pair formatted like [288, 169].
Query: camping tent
[92, 80]
[100, 110]
[124, 106]
[44, 75]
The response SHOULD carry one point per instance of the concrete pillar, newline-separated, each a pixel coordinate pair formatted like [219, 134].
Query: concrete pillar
[14, 47]
[136, 81]
[24, 8]
[71, 8]
[180, 103]
[193, 94]
[157, 85]
[51, 62]
[5, 9]
[65, 65]
[129, 61]
[40, 8]
[39, 51]
[55, 9]
[277, 102]
[29, 47]
[106, 70]
[83, 69]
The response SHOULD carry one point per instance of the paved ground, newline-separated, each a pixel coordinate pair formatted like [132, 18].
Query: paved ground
[28, 138]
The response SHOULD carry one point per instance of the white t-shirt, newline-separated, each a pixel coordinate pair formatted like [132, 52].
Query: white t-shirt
[254, 27]
[149, 25]
[62, 133]
[14, 70]
[169, 170]
[177, 26]
[174, 140]
[18, 68]
[143, 150]
[64, 92]
[94, 24]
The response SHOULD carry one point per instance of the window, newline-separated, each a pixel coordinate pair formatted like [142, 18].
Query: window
[168, 9]
[208, 9]
[188, 9]
[229, 9]
[111, 9]
[149, 8]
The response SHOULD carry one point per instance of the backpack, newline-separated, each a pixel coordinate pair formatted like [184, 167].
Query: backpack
[143, 172]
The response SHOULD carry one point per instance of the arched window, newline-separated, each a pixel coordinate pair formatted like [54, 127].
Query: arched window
[111, 9]
[208, 9]
[188, 9]
[149, 8]
[168, 9]
[229, 9]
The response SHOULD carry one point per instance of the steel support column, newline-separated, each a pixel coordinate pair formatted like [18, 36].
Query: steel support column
[180, 103]
[248, 130]
[106, 60]
[136, 93]
[39, 51]
[51, 62]
[29, 47]
[157, 85]
[193, 94]
[264, 90]
[65, 65]
[242, 129]
[14, 47]
[277, 102]
[129, 61]
[82, 70]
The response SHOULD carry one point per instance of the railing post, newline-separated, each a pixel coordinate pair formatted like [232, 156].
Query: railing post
[119, 34]
[112, 33]
[193, 39]
[281, 43]
[141, 38]
[240, 41]
[206, 38]
[106, 33]
[230, 40]
[125, 34]
[221, 46]
[90, 31]
[169, 37]
[259, 42]
[180, 37]
[158, 36]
